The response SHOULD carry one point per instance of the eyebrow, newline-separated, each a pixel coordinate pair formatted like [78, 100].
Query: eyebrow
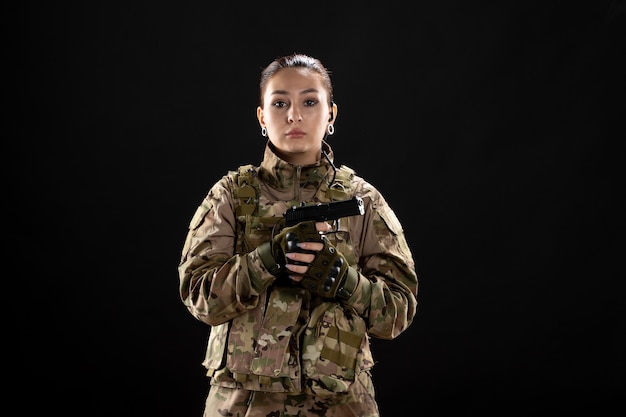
[308, 90]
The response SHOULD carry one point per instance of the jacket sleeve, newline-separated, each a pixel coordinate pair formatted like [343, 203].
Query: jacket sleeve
[215, 283]
[387, 282]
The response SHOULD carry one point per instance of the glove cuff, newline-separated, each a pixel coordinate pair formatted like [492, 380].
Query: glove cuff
[265, 253]
[348, 287]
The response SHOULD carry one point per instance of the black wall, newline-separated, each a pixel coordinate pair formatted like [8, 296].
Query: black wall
[495, 131]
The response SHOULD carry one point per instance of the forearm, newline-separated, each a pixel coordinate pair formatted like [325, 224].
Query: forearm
[392, 310]
[221, 288]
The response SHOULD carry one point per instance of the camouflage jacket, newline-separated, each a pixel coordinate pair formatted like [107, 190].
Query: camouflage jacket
[271, 335]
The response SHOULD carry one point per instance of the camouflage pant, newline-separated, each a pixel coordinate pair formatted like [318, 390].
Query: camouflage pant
[357, 402]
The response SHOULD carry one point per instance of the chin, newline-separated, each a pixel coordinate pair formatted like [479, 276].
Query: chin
[295, 147]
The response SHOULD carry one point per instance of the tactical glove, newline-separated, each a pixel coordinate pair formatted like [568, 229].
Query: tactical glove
[273, 253]
[329, 274]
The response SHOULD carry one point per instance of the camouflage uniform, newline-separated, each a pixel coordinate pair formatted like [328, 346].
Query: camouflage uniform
[275, 349]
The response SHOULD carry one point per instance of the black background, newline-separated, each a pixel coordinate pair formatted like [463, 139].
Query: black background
[494, 129]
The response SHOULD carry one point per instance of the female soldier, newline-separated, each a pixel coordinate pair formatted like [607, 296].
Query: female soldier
[292, 305]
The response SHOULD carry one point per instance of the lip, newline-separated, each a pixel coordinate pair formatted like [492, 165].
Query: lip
[295, 133]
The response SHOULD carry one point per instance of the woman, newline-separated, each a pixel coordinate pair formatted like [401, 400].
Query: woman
[292, 307]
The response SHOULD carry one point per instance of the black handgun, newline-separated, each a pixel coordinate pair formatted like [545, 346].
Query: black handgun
[322, 212]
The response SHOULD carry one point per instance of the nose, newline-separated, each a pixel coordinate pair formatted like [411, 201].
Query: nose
[294, 114]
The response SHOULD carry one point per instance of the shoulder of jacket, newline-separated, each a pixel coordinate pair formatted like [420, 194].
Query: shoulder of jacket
[346, 171]
[361, 187]
[243, 173]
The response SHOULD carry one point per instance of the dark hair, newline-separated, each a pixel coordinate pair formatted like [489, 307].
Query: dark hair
[296, 60]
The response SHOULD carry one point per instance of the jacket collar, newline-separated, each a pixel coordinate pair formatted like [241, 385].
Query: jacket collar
[282, 175]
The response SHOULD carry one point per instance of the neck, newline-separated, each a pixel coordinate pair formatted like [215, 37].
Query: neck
[298, 158]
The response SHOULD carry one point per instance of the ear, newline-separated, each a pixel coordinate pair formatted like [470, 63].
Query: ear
[259, 116]
[333, 111]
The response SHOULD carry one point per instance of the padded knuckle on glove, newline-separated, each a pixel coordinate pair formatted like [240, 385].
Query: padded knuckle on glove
[287, 240]
[327, 271]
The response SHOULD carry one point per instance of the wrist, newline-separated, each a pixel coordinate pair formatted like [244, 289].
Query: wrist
[349, 285]
[265, 254]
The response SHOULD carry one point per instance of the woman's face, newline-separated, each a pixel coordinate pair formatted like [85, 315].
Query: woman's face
[296, 114]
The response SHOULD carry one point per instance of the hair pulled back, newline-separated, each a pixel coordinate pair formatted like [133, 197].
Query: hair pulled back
[296, 60]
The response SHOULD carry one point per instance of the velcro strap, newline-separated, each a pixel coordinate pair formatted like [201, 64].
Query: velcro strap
[338, 358]
[345, 337]
[344, 359]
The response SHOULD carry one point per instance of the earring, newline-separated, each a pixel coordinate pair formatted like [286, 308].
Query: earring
[263, 131]
[330, 129]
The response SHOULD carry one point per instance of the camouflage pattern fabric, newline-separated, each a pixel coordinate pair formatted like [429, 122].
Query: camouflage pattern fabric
[293, 349]
[358, 402]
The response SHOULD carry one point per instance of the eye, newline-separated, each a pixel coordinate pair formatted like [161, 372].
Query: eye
[279, 104]
[310, 102]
